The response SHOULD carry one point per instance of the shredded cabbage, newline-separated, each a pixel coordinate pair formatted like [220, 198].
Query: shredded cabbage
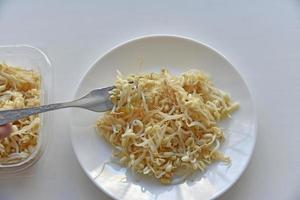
[19, 88]
[162, 123]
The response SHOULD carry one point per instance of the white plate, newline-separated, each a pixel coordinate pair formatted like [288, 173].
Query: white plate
[150, 54]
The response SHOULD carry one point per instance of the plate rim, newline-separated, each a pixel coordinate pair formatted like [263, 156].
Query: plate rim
[180, 37]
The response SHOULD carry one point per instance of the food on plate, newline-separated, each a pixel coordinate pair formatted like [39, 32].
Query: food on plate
[162, 123]
[19, 88]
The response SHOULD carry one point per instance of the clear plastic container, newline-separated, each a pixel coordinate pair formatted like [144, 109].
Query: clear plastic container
[28, 57]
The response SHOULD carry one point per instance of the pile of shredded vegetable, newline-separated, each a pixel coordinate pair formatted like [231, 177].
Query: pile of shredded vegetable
[162, 123]
[19, 88]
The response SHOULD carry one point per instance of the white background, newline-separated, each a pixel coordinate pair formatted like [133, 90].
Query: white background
[261, 38]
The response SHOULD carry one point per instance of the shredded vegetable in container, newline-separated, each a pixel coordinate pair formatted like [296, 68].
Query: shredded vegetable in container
[19, 88]
[162, 123]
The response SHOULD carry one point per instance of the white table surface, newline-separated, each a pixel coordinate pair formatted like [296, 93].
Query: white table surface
[261, 38]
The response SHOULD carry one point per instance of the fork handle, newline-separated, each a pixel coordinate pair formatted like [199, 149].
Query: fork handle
[15, 114]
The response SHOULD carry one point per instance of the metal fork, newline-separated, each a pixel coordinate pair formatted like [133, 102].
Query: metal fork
[97, 100]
